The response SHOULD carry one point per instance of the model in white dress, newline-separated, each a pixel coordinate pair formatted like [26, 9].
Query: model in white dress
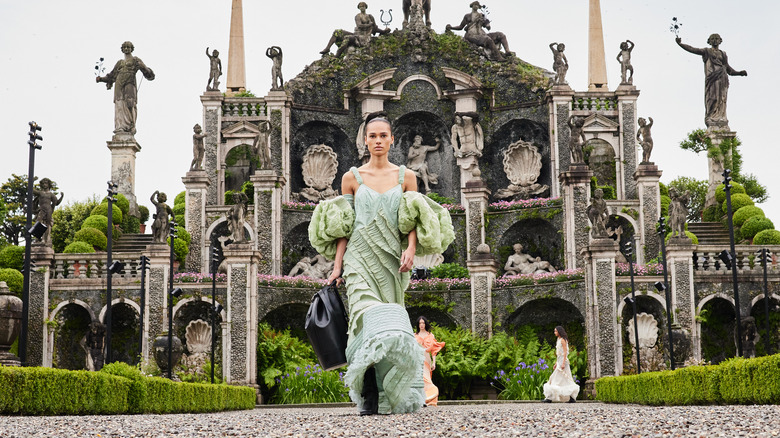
[561, 386]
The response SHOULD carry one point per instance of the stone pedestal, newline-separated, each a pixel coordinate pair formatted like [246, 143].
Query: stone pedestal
[559, 99]
[212, 126]
[38, 307]
[196, 184]
[714, 166]
[605, 357]
[156, 309]
[278, 107]
[10, 325]
[269, 189]
[123, 150]
[469, 166]
[679, 259]
[240, 340]
[647, 176]
[627, 97]
[482, 269]
[575, 184]
[475, 199]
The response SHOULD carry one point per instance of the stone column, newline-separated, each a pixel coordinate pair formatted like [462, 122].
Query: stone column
[241, 341]
[482, 269]
[236, 69]
[575, 184]
[597, 65]
[679, 259]
[196, 184]
[268, 220]
[278, 107]
[647, 177]
[156, 309]
[559, 99]
[123, 150]
[38, 308]
[627, 97]
[475, 199]
[715, 167]
[605, 356]
[212, 126]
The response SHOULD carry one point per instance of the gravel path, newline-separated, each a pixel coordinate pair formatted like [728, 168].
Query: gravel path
[492, 420]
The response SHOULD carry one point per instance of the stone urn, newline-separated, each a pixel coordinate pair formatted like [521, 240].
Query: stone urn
[160, 351]
[10, 324]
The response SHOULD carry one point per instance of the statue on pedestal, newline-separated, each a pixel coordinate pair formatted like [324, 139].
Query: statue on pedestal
[576, 139]
[466, 135]
[560, 63]
[44, 204]
[415, 161]
[624, 58]
[215, 70]
[162, 223]
[126, 91]
[277, 80]
[261, 147]
[197, 148]
[716, 81]
[473, 23]
[237, 217]
[519, 263]
[365, 26]
[678, 212]
[598, 213]
[645, 139]
[419, 6]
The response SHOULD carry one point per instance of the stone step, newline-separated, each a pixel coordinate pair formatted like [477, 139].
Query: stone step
[710, 233]
[132, 243]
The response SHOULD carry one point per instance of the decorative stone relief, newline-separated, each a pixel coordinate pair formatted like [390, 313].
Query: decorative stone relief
[648, 330]
[198, 336]
[519, 263]
[317, 267]
[523, 165]
[320, 165]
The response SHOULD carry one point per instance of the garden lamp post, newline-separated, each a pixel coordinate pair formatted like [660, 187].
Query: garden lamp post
[144, 267]
[727, 186]
[214, 310]
[629, 253]
[32, 142]
[112, 268]
[664, 287]
[764, 255]
[173, 293]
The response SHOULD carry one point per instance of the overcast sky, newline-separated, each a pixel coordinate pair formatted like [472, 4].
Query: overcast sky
[50, 47]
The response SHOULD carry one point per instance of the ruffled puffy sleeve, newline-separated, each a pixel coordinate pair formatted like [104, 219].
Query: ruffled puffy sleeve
[431, 346]
[432, 222]
[332, 220]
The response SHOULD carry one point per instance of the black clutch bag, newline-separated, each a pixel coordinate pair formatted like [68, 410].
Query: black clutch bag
[326, 326]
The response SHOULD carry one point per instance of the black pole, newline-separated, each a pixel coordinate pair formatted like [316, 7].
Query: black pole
[667, 291]
[144, 263]
[764, 261]
[109, 274]
[630, 254]
[172, 233]
[213, 307]
[34, 128]
[727, 184]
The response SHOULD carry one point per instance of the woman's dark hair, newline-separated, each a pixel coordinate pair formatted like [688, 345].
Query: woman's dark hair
[417, 324]
[379, 116]
[562, 333]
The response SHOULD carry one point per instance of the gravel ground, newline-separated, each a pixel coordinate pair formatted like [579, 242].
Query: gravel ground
[475, 420]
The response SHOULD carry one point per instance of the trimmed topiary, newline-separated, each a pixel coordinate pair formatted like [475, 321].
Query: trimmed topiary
[102, 210]
[183, 234]
[92, 236]
[98, 221]
[665, 201]
[14, 279]
[754, 225]
[180, 198]
[743, 214]
[720, 191]
[713, 213]
[688, 234]
[120, 201]
[79, 247]
[737, 201]
[12, 257]
[178, 209]
[131, 225]
[767, 237]
[663, 188]
[143, 214]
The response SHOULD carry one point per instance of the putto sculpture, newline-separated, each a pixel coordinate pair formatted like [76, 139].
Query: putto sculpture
[473, 23]
[197, 148]
[277, 80]
[317, 267]
[678, 212]
[44, 204]
[236, 217]
[262, 147]
[125, 91]
[416, 161]
[624, 58]
[412, 7]
[161, 217]
[365, 27]
[466, 135]
[560, 63]
[215, 70]
[645, 138]
[598, 213]
[576, 139]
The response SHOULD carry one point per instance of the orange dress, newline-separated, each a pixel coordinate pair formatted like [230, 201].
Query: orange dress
[431, 347]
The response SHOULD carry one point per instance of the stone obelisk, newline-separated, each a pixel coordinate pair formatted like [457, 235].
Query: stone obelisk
[236, 73]
[597, 64]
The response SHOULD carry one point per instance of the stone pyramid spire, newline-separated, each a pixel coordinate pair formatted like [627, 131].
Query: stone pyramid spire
[597, 64]
[236, 71]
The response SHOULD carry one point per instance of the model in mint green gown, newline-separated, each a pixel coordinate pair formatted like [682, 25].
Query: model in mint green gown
[380, 333]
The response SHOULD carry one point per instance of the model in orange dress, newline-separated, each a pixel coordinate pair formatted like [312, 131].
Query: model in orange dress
[428, 341]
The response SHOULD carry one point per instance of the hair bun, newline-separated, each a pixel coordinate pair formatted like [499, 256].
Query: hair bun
[377, 115]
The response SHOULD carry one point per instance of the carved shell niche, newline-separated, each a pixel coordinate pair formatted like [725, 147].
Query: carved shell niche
[648, 330]
[428, 261]
[320, 166]
[198, 336]
[522, 163]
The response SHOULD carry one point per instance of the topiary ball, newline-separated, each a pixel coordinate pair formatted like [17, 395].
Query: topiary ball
[665, 201]
[143, 214]
[180, 198]
[743, 214]
[754, 225]
[130, 225]
[102, 210]
[99, 222]
[767, 237]
[14, 279]
[120, 201]
[737, 201]
[12, 257]
[688, 234]
[713, 213]
[663, 188]
[720, 192]
[92, 236]
[78, 247]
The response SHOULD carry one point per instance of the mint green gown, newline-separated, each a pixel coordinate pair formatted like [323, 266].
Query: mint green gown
[380, 333]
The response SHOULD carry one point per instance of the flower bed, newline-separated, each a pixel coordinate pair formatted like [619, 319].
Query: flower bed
[546, 277]
[440, 284]
[524, 203]
[295, 205]
[285, 281]
[197, 277]
[454, 208]
[639, 270]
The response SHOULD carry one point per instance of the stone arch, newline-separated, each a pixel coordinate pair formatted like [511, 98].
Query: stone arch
[184, 301]
[543, 314]
[413, 78]
[62, 304]
[124, 331]
[757, 311]
[716, 327]
[652, 304]
[240, 162]
[760, 297]
[194, 308]
[219, 228]
[116, 301]
[600, 156]
[72, 320]
[438, 316]
[321, 132]
[296, 246]
[492, 160]
[539, 238]
[288, 316]
[628, 234]
[656, 297]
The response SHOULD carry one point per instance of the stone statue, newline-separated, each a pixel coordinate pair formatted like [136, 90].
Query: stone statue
[645, 139]
[678, 212]
[560, 63]
[215, 70]
[277, 80]
[522, 165]
[473, 23]
[197, 148]
[261, 146]
[317, 267]
[300, 268]
[162, 223]
[749, 336]
[520, 263]
[125, 92]
[93, 344]
[466, 137]
[424, 5]
[576, 139]
[716, 81]
[416, 161]
[598, 213]
[365, 26]
[624, 58]
[44, 204]
[360, 143]
[237, 217]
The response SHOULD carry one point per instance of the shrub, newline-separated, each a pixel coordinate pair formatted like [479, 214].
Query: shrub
[178, 209]
[743, 214]
[440, 199]
[449, 270]
[143, 214]
[720, 191]
[68, 220]
[737, 201]
[183, 234]
[14, 279]
[754, 225]
[120, 201]
[79, 247]
[180, 198]
[131, 225]
[229, 197]
[713, 213]
[92, 236]
[102, 210]
[249, 189]
[181, 246]
[663, 188]
[279, 353]
[311, 385]
[98, 222]
[767, 237]
[688, 234]
[665, 201]
[12, 256]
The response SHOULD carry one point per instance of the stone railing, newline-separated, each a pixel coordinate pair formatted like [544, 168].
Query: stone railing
[243, 107]
[594, 103]
[706, 259]
[93, 265]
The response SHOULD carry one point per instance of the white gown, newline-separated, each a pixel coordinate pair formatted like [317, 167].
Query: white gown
[561, 385]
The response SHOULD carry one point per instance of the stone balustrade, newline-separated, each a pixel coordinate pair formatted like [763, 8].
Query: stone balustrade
[706, 259]
[591, 103]
[93, 265]
[243, 107]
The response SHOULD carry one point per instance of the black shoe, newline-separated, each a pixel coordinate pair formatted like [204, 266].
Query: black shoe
[370, 393]
[547, 400]
[571, 400]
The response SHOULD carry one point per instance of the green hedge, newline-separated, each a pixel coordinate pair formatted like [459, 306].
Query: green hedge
[118, 389]
[14, 279]
[767, 237]
[736, 381]
[79, 247]
[12, 257]
[92, 236]
[737, 201]
[743, 214]
[754, 225]
[720, 191]
[98, 222]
